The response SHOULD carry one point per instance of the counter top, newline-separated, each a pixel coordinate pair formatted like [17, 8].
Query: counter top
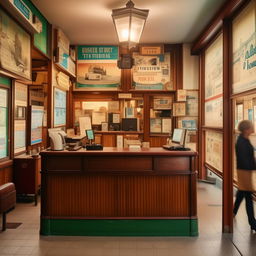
[121, 151]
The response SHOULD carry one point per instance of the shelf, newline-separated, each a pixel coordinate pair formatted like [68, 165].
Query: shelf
[159, 135]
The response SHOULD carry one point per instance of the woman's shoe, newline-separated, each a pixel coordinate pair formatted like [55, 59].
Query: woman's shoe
[253, 227]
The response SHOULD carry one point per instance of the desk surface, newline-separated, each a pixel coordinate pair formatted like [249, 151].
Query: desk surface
[121, 151]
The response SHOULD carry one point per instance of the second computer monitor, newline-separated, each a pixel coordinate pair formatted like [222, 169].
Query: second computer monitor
[90, 134]
[178, 136]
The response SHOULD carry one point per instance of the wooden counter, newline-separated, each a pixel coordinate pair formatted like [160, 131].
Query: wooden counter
[118, 192]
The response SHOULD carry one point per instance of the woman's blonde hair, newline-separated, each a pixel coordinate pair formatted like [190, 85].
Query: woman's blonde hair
[245, 125]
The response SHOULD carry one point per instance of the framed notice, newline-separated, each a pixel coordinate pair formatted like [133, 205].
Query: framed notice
[15, 47]
[162, 103]
[59, 107]
[214, 112]
[97, 68]
[179, 109]
[155, 125]
[243, 45]
[181, 95]
[37, 114]
[166, 125]
[152, 72]
[19, 136]
[213, 149]
[192, 103]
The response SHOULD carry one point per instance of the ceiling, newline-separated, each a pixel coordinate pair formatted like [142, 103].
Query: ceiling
[90, 21]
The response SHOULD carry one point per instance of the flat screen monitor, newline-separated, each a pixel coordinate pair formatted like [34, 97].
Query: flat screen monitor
[178, 136]
[90, 134]
[129, 124]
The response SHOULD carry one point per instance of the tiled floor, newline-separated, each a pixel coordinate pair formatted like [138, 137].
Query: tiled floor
[25, 240]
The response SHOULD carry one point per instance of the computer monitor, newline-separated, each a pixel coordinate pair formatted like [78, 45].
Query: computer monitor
[178, 136]
[90, 134]
[129, 124]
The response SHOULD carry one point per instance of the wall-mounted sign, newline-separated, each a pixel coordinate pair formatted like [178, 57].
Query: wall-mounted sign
[152, 50]
[97, 68]
[152, 72]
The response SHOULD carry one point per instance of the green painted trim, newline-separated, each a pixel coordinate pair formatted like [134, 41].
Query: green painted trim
[103, 227]
[5, 81]
[40, 39]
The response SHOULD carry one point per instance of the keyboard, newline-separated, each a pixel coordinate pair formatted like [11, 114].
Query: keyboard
[175, 148]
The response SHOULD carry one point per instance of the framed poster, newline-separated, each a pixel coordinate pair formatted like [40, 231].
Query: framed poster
[179, 109]
[166, 125]
[214, 112]
[155, 125]
[181, 95]
[162, 103]
[152, 72]
[15, 47]
[213, 149]
[243, 45]
[37, 114]
[97, 68]
[192, 103]
[3, 123]
[19, 136]
[21, 100]
[214, 69]
[60, 98]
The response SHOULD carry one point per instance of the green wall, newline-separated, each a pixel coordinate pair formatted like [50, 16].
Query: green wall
[40, 39]
[5, 81]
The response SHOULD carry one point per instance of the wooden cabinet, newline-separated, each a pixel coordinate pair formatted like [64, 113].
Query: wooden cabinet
[27, 177]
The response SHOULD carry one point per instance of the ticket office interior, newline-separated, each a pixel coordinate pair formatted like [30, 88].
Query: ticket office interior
[201, 90]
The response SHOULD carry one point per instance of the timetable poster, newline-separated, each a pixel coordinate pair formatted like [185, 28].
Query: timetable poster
[37, 113]
[244, 50]
[214, 145]
[97, 68]
[60, 98]
[152, 72]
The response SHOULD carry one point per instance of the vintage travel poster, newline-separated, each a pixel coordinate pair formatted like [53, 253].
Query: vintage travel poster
[213, 148]
[15, 48]
[97, 68]
[152, 72]
[244, 50]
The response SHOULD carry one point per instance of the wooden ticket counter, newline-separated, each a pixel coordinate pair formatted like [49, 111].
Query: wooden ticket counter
[118, 192]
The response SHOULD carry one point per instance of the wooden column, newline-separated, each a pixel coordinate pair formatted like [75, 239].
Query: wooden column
[201, 139]
[227, 192]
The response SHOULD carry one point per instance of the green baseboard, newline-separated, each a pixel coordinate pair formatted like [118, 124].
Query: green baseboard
[104, 227]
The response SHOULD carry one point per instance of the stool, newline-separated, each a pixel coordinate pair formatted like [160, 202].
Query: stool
[7, 200]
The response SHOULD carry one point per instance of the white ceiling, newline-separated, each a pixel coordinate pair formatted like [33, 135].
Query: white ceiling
[90, 21]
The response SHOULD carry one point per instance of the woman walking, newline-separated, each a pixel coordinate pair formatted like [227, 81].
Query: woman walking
[245, 166]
